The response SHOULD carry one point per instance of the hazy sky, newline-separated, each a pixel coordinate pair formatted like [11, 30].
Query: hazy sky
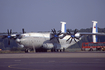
[43, 15]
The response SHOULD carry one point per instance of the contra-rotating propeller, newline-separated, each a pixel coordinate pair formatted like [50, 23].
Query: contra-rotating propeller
[8, 36]
[55, 35]
[72, 36]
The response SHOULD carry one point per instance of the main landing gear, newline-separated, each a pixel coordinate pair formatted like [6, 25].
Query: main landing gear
[58, 50]
[27, 50]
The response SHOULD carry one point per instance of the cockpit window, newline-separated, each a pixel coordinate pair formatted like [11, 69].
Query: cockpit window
[21, 36]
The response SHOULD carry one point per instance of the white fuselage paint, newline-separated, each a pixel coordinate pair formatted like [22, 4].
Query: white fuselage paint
[37, 40]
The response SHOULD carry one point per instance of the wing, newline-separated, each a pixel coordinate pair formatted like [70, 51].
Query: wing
[103, 34]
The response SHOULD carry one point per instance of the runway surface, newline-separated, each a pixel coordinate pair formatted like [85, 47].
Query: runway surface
[53, 61]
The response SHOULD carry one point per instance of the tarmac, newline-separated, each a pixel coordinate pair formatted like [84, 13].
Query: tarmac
[53, 61]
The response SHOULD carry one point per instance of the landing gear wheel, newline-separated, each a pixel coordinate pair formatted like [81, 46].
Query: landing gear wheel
[63, 49]
[27, 50]
[52, 50]
[60, 50]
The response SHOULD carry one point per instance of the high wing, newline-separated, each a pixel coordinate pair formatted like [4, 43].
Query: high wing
[76, 35]
[102, 34]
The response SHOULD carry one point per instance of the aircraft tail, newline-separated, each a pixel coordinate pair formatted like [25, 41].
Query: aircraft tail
[63, 27]
[95, 30]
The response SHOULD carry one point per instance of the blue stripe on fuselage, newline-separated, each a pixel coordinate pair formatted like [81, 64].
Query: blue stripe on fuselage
[96, 32]
[65, 28]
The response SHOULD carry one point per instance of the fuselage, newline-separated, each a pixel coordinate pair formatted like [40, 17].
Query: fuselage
[38, 40]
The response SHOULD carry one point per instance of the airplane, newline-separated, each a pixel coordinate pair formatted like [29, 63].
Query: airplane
[54, 41]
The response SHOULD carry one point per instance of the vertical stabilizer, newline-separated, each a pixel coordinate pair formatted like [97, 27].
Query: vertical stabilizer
[63, 27]
[95, 30]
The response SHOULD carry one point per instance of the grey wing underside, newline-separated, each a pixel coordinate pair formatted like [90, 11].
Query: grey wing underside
[101, 34]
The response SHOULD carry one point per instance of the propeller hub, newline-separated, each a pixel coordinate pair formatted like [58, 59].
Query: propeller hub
[9, 36]
[72, 36]
[55, 36]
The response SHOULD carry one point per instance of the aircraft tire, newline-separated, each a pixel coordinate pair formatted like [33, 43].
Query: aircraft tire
[60, 50]
[63, 49]
[52, 50]
[27, 50]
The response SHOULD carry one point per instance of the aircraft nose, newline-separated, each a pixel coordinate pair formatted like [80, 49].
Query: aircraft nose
[18, 40]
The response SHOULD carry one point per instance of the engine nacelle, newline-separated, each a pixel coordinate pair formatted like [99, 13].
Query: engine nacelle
[21, 46]
[77, 35]
[48, 45]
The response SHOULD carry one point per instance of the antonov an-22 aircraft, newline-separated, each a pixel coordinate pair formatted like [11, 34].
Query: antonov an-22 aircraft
[54, 41]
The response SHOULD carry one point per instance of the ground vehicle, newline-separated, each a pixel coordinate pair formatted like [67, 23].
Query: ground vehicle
[90, 46]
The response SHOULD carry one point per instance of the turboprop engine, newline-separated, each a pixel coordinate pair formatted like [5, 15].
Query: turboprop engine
[48, 45]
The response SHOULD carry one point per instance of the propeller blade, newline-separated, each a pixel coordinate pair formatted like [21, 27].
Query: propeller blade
[51, 38]
[68, 30]
[10, 31]
[70, 41]
[75, 40]
[8, 41]
[23, 31]
[57, 40]
[59, 32]
[75, 31]
[52, 30]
